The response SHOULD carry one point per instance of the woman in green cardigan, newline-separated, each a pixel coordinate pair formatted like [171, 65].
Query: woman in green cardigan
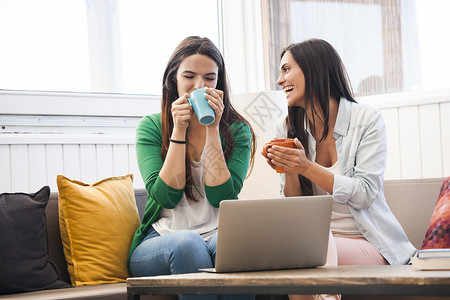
[188, 168]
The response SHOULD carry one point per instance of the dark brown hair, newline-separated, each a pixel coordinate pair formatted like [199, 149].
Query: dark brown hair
[325, 78]
[204, 46]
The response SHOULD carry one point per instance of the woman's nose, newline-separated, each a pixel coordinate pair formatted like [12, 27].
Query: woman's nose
[280, 79]
[199, 84]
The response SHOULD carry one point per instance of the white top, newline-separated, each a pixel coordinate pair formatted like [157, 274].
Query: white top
[198, 216]
[342, 221]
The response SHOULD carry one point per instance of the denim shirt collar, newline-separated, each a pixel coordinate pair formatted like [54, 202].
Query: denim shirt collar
[340, 128]
[343, 118]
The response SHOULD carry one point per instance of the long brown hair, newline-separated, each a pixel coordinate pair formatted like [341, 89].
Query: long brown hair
[204, 46]
[325, 78]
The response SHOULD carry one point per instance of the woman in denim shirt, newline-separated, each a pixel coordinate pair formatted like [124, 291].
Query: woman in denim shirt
[341, 150]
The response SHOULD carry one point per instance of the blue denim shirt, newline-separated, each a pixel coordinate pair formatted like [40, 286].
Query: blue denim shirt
[360, 135]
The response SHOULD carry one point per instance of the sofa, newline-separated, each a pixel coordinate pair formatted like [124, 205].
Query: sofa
[412, 201]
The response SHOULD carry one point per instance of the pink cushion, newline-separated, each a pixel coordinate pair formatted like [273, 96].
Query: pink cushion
[438, 233]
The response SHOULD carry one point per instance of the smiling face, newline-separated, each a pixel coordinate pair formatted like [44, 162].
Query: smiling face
[196, 71]
[292, 80]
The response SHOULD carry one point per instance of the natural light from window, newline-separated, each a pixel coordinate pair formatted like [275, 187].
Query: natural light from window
[122, 46]
[94, 45]
[361, 37]
[150, 31]
[44, 45]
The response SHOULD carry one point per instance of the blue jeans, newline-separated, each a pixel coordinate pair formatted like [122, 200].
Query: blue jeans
[178, 252]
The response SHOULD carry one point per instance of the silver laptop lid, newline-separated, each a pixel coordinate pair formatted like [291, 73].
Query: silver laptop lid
[265, 234]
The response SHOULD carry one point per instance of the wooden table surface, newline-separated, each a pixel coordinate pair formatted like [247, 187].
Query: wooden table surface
[368, 280]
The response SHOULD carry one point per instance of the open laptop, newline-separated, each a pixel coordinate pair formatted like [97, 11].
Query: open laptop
[268, 234]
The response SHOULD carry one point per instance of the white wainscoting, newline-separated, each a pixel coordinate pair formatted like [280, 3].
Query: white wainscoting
[27, 168]
[32, 156]
[418, 133]
[35, 147]
[86, 137]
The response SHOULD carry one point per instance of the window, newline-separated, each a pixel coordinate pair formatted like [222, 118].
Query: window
[150, 31]
[118, 46]
[44, 45]
[387, 46]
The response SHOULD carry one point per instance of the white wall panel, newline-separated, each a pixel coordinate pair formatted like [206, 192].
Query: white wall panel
[410, 149]
[445, 136]
[19, 168]
[393, 162]
[55, 166]
[5, 169]
[37, 167]
[88, 163]
[105, 166]
[430, 140]
[120, 160]
[71, 161]
[134, 169]
[263, 111]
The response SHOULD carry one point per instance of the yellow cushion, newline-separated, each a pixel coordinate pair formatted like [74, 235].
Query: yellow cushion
[97, 223]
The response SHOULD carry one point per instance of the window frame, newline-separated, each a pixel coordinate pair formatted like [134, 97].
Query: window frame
[279, 36]
[77, 104]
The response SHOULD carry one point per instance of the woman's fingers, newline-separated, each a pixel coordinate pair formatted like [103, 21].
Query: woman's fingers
[286, 158]
[181, 110]
[180, 101]
[268, 160]
[215, 98]
[284, 151]
[298, 144]
[279, 161]
[218, 94]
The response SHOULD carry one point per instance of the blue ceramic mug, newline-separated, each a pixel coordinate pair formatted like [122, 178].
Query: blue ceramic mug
[205, 113]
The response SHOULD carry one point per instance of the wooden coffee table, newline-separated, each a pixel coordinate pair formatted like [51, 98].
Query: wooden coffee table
[362, 280]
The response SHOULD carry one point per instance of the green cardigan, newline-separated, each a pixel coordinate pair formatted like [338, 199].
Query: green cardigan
[160, 195]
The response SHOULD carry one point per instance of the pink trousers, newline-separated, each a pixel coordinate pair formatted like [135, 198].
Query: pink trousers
[355, 251]
[346, 251]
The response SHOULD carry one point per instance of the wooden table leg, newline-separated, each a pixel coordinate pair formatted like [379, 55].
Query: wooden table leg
[133, 297]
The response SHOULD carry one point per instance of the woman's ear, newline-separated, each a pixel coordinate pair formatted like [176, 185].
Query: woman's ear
[171, 84]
